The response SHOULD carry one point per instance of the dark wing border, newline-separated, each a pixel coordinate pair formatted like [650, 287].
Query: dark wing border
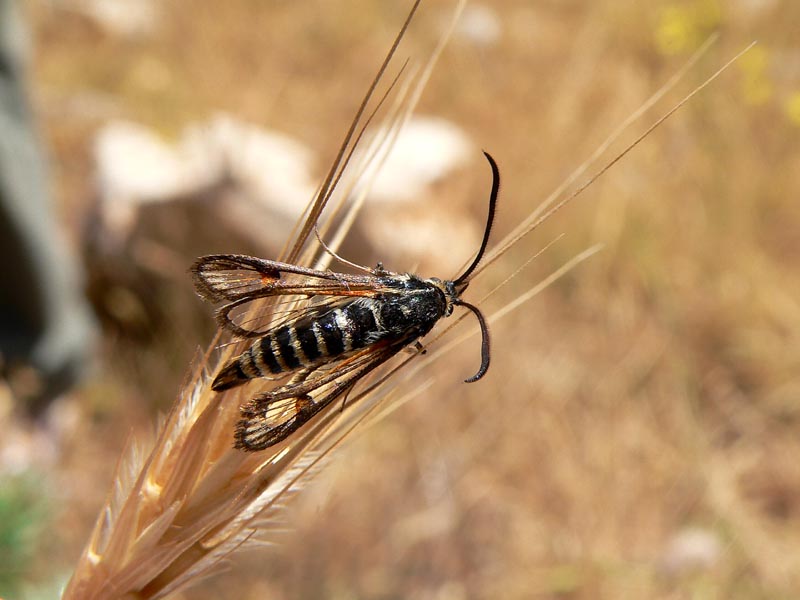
[253, 433]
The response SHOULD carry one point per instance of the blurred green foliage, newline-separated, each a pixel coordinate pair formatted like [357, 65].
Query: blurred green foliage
[23, 513]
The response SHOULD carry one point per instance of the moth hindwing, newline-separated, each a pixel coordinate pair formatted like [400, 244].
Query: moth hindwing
[351, 325]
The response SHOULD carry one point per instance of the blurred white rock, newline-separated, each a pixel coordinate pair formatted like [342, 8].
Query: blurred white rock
[426, 150]
[250, 185]
[432, 239]
[136, 167]
[122, 17]
[480, 25]
[275, 168]
[754, 8]
[135, 164]
[691, 549]
[406, 217]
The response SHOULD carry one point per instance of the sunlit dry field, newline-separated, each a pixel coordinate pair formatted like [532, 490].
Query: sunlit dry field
[637, 433]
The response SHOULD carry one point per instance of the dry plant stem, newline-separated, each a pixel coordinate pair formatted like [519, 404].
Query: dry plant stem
[194, 500]
[511, 306]
[340, 162]
[538, 216]
[349, 202]
[381, 146]
[414, 373]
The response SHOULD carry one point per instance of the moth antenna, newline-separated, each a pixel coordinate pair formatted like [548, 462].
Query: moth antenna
[336, 256]
[489, 220]
[485, 355]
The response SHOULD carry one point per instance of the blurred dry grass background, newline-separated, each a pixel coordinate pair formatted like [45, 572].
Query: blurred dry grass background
[637, 435]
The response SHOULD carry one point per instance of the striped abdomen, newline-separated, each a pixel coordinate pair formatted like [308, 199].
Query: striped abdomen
[306, 342]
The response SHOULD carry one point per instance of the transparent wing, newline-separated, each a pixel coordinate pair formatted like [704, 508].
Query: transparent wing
[230, 277]
[270, 418]
[246, 319]
[237, 280]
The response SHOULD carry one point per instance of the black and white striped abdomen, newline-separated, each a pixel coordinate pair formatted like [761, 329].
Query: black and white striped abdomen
[307, 342]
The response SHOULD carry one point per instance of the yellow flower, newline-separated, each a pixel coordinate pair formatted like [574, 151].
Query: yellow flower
[681, 28]
[756, 86]
[792, 107]
[675, 30]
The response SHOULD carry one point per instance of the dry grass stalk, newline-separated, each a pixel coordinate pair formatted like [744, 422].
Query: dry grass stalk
[179, 512]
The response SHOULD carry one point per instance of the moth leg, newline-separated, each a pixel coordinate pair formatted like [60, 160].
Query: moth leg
[262, 401]
[345, 395]
[418, 348]
[313, 378]
[341, 281]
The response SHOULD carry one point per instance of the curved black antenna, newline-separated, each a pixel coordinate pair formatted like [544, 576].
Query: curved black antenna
[484, 341]
[489, 220]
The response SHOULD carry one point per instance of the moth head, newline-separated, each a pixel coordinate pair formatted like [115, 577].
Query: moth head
[448, 291]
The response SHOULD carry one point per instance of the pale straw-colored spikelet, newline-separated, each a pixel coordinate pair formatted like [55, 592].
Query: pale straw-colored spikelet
[175, 514]
[196, 500]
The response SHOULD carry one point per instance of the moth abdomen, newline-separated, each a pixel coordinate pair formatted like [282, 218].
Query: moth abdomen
[306, 342]
[230, 376]
[258, 360]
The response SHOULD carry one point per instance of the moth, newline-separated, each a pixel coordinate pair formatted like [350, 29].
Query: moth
[351, 324]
